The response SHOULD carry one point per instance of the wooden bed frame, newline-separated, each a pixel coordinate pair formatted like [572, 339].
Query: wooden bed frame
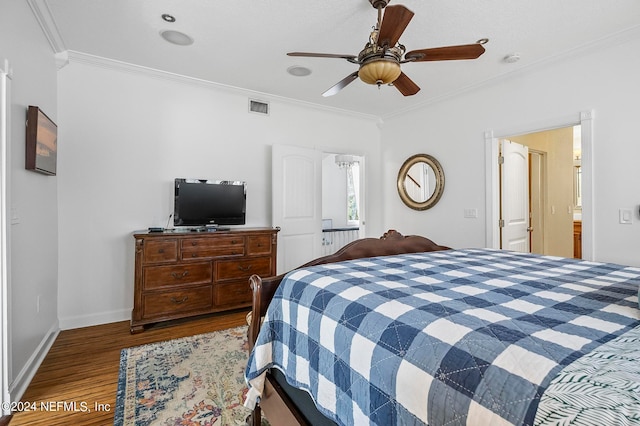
[275, 402]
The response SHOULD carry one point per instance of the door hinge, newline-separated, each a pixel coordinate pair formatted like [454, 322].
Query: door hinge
[500, 159]
[501, 223]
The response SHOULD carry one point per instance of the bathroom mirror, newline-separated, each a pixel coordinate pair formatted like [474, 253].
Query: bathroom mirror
[420, 182]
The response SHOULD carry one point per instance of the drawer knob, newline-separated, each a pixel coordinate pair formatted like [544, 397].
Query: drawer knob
[178, 276]
[244, 268]
[179, 301]
[161, 251]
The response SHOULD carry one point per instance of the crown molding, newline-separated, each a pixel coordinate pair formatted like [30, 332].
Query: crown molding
[47, 23]
[112, 64]
[610, 40]
[62, 59]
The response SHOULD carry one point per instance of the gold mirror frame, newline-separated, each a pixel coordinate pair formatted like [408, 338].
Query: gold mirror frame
[439, 184]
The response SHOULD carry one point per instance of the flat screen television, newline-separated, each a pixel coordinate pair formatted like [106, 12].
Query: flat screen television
[200, 202]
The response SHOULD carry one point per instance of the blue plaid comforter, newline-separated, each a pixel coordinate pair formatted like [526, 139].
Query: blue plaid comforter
[441, 337]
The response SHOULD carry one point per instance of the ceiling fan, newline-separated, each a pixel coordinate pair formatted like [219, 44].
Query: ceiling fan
[381, 57]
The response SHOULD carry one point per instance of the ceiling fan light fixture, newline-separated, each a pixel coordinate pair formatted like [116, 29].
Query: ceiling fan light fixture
[379, 71]
[380, 60]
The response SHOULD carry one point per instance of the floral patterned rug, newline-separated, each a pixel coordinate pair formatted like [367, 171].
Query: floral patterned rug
[192, 381]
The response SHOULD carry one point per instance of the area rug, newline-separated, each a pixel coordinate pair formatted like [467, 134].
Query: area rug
[191, 381]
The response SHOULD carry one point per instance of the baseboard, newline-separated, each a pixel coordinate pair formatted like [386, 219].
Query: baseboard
[18, 387]
[79, 321]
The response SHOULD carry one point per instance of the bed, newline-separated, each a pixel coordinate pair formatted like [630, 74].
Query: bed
[400, 330]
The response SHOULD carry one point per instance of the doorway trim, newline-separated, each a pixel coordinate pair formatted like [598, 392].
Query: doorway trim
[5, 103]
[537, 199]
[492, 199]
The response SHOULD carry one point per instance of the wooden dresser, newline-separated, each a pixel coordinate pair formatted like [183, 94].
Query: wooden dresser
[182, 274]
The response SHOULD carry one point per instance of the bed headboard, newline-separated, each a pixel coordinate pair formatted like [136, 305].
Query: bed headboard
[392, 242]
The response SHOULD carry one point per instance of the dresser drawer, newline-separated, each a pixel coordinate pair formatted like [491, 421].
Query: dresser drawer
[180, 274]
[232, 293]
[242, 268]
[172, 275]
[198, 248]
[168, 303]
[160, 251]
[259, 244]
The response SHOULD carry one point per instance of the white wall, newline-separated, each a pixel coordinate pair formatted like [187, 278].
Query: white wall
[33, 198]
[604, 80]
[125, 135]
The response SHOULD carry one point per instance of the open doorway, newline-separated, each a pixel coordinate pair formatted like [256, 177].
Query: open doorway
[342, 204]
[298, 179]
[550, 184]
[583, 213]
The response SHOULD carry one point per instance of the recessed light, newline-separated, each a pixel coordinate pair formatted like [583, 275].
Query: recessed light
[168, 17]
[299, 71]
[176, 37]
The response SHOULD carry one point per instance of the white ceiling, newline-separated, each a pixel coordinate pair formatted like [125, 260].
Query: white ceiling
[243, 43]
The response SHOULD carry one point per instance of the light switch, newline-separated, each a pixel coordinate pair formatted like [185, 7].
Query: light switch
[625, 216]
[471, 213]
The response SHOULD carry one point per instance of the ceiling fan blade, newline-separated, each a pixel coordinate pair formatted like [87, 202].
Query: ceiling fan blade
[341, 84]
[405, 85]
[447, 53]
[395, 20]
[322, 55]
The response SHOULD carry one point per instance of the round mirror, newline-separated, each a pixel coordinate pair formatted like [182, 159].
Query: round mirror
[420, 182]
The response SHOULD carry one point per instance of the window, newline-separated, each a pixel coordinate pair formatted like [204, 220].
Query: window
[353, 194]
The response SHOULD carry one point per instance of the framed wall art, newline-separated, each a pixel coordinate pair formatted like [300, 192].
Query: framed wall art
[41, 142]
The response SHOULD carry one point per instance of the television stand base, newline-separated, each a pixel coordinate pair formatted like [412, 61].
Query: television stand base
[209, 229]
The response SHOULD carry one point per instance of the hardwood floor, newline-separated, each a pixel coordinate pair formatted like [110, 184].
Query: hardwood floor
[82, 368]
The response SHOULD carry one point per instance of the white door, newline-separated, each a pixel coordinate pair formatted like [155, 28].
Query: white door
[297, 204]
[514, 200]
